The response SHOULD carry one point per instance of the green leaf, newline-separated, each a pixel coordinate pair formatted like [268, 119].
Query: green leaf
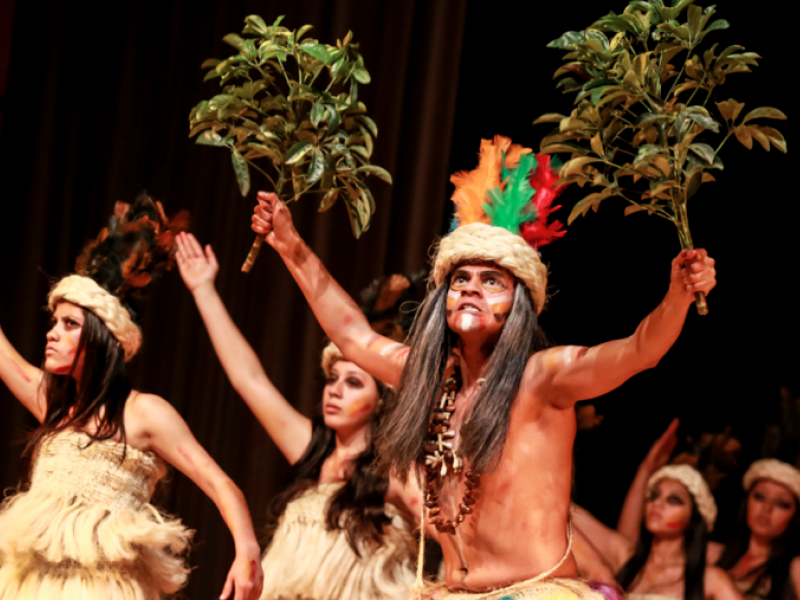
[234, 40]
[329, 199]
[211, 138]
[317, 114]
[569, 40]
[706, 121]
[302, 31]
[242, 172]
[315, 168]
[317, 51]
[297, 152]
[257, 22]
[764, 112]
[704, 151]
[361, 75]
[373, 128]
[717, 25]
[379, 172]
[210, 63]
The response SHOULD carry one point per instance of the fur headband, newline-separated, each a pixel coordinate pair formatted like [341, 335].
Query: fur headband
[693, 481]
[87, 293]
[775, 470]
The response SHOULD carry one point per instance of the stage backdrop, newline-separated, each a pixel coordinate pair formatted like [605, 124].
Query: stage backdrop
[95, 110]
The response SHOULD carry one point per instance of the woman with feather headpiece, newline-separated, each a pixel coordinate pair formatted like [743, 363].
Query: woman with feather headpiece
[82, 527]
[484, 411]
[335, 533]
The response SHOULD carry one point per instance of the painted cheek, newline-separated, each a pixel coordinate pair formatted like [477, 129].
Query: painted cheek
[675, 524]
[500, 305]
[72, 345]
[359, 407]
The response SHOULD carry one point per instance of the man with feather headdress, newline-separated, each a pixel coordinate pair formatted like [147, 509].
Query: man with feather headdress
[483, 410]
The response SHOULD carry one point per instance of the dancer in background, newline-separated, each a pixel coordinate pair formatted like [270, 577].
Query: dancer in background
[669, 559]
[336, 532]
[763, 555]
[82, 527]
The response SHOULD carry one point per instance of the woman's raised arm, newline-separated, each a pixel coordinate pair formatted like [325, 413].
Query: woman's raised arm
[290, 430]
[167, 434]
[22, 378]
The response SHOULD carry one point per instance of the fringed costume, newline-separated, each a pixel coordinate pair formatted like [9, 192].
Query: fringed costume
[85, 528]
[306, 560]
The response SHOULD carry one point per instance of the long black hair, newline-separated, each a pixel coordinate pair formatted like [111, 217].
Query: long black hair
[782, 550]
[357, 507]
[403, 430]
[695, 542]
[100, 398]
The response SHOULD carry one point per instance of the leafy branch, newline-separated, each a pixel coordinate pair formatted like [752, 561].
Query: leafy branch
[289, 109]
[628, 93]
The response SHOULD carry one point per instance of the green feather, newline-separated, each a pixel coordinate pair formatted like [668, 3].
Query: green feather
[512, 207]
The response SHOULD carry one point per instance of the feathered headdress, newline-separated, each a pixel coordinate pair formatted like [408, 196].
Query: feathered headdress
[137, 246]
[501, 214]
[511, 188]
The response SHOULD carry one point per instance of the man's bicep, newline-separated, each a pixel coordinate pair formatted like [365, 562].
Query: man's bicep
[581, 373]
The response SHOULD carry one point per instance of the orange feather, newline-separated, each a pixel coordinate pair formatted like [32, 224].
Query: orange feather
[471, 186]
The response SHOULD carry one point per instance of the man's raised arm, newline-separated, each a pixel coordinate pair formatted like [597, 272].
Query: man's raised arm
[337, 313]
[568, 374]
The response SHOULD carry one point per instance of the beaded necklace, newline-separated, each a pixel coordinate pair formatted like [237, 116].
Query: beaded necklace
[441, 455]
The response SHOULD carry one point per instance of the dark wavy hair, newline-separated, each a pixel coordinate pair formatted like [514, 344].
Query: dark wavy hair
[357, 507]
[100, 399]
[404, 428]
[695, 542]
[782, 550]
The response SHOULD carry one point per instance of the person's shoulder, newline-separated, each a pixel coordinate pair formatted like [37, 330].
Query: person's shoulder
[714, 552]
[716, 579]
[794, 571]
[145, 411]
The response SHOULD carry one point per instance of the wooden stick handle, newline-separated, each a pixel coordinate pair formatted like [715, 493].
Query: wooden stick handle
[700, 303]
[253, 254]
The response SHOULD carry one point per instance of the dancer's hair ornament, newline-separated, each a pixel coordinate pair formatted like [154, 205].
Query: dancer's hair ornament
[112, 270]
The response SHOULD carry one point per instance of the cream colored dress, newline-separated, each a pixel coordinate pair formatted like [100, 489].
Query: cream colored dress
[306, 561]
[85, 529]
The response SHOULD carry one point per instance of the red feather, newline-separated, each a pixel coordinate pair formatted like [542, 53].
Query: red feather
[538, 233]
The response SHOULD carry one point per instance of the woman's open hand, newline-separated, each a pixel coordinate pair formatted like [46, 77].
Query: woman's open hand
[197, 267]
[245, 577]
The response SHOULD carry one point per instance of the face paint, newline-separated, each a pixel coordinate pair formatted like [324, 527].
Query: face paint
[501, 306]
[251, 571]
[674, 524]
[452, 299]
[468, 322]
[360, 407]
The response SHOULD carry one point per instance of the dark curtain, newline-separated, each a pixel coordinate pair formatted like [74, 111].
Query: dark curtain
[96, 110]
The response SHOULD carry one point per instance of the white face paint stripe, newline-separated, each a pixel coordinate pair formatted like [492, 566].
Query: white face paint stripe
[468, 322]
[500, 300]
